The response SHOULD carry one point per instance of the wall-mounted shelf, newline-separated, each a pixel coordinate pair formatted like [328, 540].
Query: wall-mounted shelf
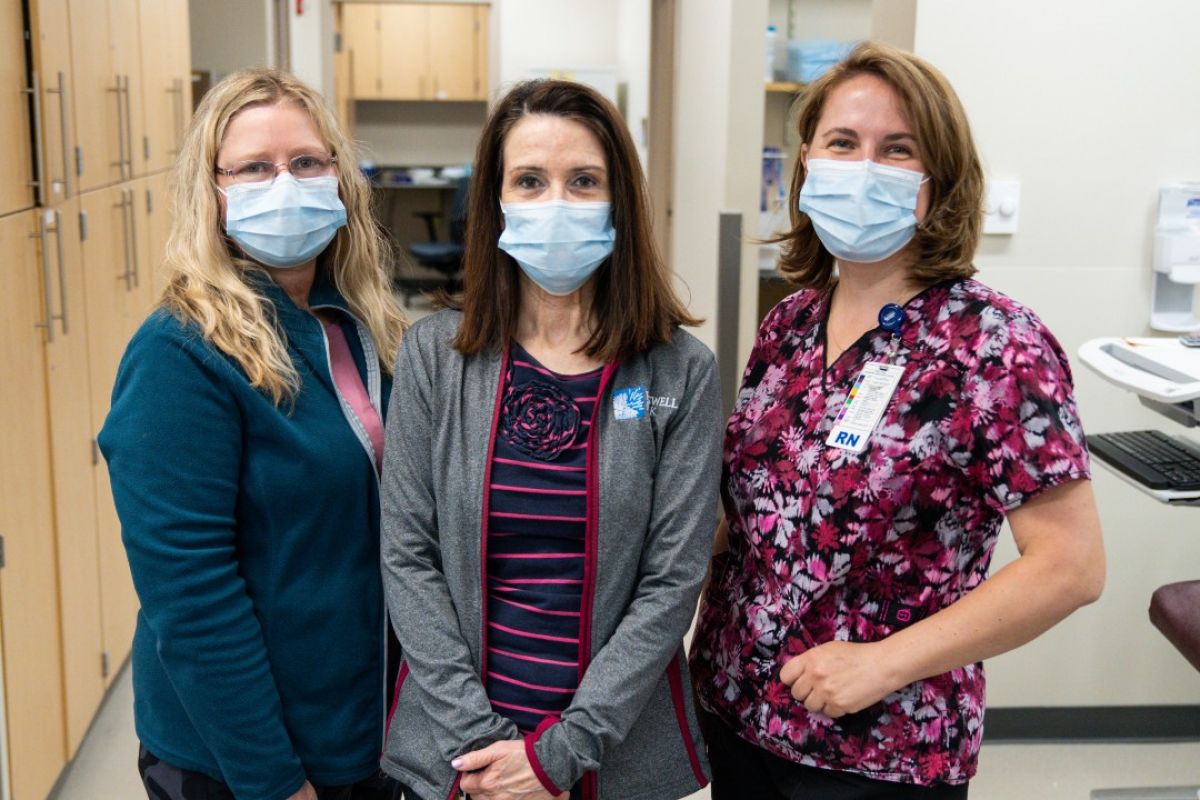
[789, 87]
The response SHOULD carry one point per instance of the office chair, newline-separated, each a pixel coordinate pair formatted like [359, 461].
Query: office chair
[1175, 611]
[442, 261]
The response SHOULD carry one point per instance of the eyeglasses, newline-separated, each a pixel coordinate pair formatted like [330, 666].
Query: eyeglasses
[265, 171]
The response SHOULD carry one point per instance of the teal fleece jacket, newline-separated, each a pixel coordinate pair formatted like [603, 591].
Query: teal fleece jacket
[253, 538]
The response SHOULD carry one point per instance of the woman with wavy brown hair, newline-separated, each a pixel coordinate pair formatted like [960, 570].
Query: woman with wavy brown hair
[243, 445]
[550, 482]
[894, 412]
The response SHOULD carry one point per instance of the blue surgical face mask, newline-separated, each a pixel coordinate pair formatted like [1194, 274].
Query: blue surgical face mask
[285, 222]
[861, 211]
[558, 244]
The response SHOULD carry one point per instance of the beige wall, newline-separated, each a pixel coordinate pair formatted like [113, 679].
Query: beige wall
[718, 147]
[1092, 105]
[534, 34]
[227, 35]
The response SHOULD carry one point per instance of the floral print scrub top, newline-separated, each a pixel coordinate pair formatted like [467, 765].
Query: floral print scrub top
[826, 544]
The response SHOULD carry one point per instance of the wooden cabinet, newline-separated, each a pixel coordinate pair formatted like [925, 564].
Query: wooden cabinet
[17, 178]
[132, 86]
[416, 51]
[157, 206]
[115, 287]
[101, 100]
[124, 43]
[166, 79]
[51, 49]
[360, 42]
[29, 610]
[456, 35]
[73, 457]
[94, 93]
[404, 53]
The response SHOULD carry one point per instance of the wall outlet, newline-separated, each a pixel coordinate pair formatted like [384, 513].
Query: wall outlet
[1001, 206]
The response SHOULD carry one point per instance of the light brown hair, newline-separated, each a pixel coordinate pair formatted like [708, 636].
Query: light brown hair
[946, 239]
[633, 305]
[207, 275]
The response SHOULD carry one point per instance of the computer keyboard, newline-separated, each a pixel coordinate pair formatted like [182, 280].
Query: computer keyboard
[1150, 457]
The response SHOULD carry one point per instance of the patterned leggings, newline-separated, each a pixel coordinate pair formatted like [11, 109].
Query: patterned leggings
[165, 781]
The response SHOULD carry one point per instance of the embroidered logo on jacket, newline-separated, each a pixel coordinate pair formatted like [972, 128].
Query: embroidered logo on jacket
[629, 403]
[662, 404]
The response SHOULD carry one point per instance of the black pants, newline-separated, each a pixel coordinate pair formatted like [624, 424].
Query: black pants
[742, 770]
[165, 781]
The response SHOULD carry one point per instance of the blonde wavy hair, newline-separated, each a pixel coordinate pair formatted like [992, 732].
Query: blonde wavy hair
[207, 276]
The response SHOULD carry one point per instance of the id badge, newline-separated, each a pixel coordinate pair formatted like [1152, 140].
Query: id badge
[864, 406]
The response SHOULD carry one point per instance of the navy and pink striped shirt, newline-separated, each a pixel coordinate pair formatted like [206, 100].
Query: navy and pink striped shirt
[537, 519]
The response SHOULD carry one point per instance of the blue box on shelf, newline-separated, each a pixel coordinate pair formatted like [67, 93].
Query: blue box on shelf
[809, 59]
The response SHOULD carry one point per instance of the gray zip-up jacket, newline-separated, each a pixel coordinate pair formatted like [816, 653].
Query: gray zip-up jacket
[630, 732]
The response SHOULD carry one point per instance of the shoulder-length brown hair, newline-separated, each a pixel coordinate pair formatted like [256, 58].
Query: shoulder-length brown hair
[945, 240]
[633, 305]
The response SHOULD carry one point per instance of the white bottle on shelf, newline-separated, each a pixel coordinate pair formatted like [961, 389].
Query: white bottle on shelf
[772, 35]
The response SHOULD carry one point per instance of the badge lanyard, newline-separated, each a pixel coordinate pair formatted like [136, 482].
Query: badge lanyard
[871, 391]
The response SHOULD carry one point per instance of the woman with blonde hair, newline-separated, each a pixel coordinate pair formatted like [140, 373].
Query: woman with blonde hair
[244, 445]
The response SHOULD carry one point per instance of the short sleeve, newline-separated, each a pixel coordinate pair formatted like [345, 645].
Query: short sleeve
[1018, 403]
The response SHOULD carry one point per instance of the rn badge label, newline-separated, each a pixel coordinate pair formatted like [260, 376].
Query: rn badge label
[629, 403]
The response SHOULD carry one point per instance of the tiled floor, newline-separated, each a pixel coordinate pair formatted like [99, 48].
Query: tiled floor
[106, 766]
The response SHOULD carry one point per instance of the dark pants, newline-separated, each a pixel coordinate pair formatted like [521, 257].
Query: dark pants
[165, 781]
[741, 770]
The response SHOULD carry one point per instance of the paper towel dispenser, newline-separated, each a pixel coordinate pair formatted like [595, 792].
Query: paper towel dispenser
[1176, 259]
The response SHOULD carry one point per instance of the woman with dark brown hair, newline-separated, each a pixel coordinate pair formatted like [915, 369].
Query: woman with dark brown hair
[550, 483]
[893, 414]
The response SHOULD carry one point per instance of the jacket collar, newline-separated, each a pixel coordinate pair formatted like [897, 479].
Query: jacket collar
[294, 319]
[301, 330]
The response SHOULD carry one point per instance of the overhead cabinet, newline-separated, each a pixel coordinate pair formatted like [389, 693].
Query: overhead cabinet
[413, 51]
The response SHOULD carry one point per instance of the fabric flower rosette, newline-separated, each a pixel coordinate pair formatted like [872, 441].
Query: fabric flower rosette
[540, 420]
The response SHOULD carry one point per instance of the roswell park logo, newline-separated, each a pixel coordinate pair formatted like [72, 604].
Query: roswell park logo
[634, 402]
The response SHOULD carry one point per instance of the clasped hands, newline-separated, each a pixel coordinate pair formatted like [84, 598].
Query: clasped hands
[501, 771]
[839, 678]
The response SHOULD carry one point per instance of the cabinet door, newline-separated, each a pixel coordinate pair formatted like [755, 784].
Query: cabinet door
[181, 47]
[160, 83]
[72, 456]
[98, 97]
[158, 228]
[146, 215]
[16, 187]
[115, 307]
[166, 78]
[482, 51]
[52, 59]
[124, 35]
[360, 38]
[29, 613]
[452, 52]
[404, 59]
